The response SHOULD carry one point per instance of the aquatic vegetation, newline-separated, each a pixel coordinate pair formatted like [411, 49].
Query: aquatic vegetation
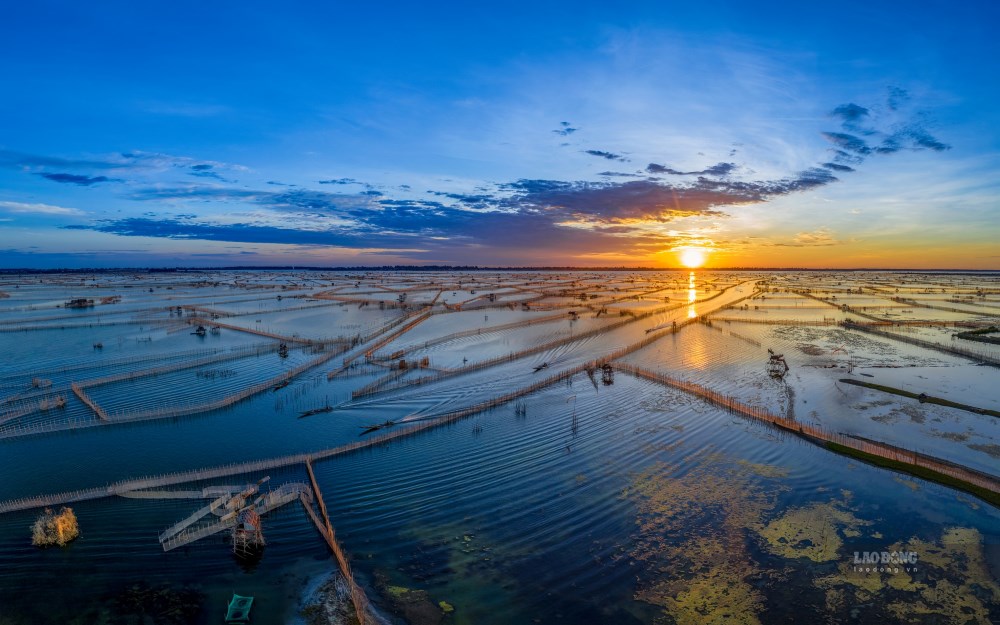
[412, 604]
[812, 532]
[765, 470]
[950, 582]
[692, 534]
[55, 529]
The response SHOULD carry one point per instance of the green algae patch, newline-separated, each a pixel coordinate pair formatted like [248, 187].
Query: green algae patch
[692, 535]
[413, 605]
[765, 470]
[950, 583]
[717, 597]
[813, 532]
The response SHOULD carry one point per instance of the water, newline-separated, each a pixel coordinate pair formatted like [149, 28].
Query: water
[599, 504]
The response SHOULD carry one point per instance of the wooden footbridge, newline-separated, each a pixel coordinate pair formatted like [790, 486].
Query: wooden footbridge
[227, 508]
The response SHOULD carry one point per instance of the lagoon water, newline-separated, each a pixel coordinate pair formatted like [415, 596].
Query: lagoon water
[580, 502]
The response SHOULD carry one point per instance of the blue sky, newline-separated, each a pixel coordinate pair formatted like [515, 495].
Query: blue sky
[762, 133]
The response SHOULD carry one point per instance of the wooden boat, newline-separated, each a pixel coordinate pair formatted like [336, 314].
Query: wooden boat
[368, 429]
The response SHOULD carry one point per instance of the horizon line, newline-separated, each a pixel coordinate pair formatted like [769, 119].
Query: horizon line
[149, 269]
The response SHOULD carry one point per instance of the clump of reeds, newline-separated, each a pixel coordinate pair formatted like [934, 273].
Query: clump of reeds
[55, 529]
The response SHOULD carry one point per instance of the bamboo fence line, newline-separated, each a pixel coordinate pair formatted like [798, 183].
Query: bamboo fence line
[223, 313]
[491, 362]
[478, 331]
[87, 324]
[385, 340]
[120, 417]
[271, 335]
[840, 307]
[483, 303]
[120, 362]
[232, 469]
[875, 448]
[235, 353]
[78, 316]
[325, 528]
[878, 449]
[103, 416]
[362, 340]
[388, 378]
[988, 358]
[32, 404]
[707, 322]
[913, 302]
[778, 322]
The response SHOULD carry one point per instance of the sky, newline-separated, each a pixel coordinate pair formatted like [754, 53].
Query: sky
[735, 134]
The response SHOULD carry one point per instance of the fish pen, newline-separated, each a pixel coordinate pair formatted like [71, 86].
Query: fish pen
[984, 357]
[984, 481]
[128, 487]
[168, 412]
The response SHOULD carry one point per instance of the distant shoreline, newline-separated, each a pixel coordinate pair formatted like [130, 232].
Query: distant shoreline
[461, 268]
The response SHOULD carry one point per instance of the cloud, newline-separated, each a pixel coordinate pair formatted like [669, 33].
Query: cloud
[524, 218]
[892, 130]
[897, 97]
[89, 171]
[822, 238]
[20, 160]
[239, 232]
[848, 143]
[206, 170]
[838, 167]
[611, 156]
[851, 115]
[565, 129]
[38, 209]
[76, 179]
[719, 169]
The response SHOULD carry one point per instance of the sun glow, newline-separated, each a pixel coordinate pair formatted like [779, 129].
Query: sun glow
[692, 257]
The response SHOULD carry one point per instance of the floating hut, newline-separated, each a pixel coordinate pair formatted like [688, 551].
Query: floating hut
[607, 374]
[776, 365]
[247, 536]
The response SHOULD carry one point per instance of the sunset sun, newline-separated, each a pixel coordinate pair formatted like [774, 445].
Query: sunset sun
[692, 258]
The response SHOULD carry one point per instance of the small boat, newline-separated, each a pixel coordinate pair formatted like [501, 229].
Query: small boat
[544, 365]
[281, 385]
[378, 426]
[309, 413]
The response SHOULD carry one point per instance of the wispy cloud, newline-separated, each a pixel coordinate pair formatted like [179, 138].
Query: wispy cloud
[719, 169]
[38, 209]
[611, 156]
[77, 179]
[565, 129]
